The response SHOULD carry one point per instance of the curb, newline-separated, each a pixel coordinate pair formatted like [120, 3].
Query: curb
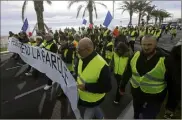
[4, 52]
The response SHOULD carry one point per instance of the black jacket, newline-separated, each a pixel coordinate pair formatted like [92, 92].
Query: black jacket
[103, 84]
[174, 64]
[143, 66]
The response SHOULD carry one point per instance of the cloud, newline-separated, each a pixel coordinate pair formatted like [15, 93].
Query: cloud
[58, 15]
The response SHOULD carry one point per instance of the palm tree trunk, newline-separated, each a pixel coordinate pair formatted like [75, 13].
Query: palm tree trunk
[131, 14]
[147, 18]
[39, 8]
[90, 11]
[155, 20]
[139, 17]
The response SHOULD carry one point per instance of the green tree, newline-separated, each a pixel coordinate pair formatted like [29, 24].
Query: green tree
[39, 9]
[149, 10]
[129, 6]
[141, 8]
[155, 13]
[90, 6]
[163, 14]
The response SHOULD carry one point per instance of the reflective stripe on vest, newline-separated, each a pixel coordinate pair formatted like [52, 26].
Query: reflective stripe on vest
[90, 74]
[120, 64]
[153, 81]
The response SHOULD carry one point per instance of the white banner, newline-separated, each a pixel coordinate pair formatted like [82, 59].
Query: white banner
[51, 64]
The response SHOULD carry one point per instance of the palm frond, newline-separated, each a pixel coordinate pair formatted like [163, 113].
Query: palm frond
[84, 11]
[123, 11]
[23, 9]
[72, 2]
[101, 4]
[78, 10]
[49, 2]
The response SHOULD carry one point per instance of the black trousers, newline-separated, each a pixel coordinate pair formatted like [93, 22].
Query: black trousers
[118, 80]
[49, 81]
[146, 106]
[132, 43]
[35, 73]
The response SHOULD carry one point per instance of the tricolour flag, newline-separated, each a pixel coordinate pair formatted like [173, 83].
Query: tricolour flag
[25, 25]
[84, 22]
[108, 19]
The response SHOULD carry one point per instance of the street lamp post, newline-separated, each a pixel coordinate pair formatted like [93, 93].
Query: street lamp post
[113, 8]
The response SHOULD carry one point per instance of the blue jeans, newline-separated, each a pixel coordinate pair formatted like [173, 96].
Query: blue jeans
[96, 112]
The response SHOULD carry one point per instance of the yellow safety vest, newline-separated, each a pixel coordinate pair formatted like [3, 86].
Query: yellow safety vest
[46, 45]
[120, 64]
[90, 75]
[142, 33]
[173, 31]
[105, 33]
[157, 34]
[69, 66]
[132, 34]
[151, 32]
[153, 81]
[32, 44]
[109, 54]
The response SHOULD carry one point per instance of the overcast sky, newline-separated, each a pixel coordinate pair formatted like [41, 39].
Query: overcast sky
[58, 15]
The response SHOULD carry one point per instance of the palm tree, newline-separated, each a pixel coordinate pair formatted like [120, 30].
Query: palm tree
[155, 13]
[163, 14]
[149, 10]
[129, 6]
[90, 6]
[39, 9]
[141, 8]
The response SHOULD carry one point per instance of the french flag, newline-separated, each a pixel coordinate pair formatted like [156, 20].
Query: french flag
[108, 22]
[25, 25]
[84, 22]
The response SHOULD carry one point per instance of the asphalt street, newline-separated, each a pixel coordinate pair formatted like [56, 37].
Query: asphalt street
[24, 98]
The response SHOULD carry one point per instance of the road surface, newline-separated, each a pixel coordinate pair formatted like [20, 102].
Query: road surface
[24, 97]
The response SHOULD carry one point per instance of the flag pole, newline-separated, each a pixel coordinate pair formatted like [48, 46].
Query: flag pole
[113, 8]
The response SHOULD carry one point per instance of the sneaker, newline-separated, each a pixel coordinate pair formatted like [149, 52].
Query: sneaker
[47, 87]
[116, 102]
[28, 74]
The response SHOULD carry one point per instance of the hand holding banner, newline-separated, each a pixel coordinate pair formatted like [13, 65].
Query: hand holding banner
[51, 64]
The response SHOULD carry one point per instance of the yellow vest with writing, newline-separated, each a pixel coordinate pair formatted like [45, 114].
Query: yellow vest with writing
[90, 74]
[120, 64]
[153, 81]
